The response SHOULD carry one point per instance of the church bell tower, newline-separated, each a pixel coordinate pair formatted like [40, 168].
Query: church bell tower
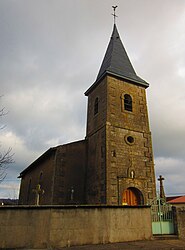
[120, 166]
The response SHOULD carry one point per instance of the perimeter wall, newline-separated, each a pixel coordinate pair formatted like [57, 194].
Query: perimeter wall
[179, 213]
[60, 226]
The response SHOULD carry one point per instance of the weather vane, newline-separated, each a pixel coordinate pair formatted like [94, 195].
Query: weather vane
[114, 15]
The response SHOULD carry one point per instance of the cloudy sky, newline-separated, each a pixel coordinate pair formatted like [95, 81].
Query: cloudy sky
[50, 53]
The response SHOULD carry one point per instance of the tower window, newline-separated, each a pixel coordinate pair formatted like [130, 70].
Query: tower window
[128, 102]
[96, 106]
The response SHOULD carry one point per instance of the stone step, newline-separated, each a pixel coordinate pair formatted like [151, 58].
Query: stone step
[165, 237]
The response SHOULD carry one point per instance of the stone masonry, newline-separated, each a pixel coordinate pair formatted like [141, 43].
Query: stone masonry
[109, 173]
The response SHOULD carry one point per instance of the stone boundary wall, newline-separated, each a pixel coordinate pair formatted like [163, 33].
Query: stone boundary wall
[61, 226]
[179, 213]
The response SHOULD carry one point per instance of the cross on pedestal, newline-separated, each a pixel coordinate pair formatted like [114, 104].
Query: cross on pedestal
[162, 194]
[38, 192]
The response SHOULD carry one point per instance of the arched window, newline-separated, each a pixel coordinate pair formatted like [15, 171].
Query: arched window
[128, 102]
[96, 106]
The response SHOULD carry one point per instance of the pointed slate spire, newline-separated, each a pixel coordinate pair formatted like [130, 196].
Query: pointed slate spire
[116, 61]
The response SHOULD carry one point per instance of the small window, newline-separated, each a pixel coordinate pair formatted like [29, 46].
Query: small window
[129, 139]
[96, 106]
[128, 102]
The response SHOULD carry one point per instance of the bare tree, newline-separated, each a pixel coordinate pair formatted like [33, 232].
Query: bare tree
[6, 157]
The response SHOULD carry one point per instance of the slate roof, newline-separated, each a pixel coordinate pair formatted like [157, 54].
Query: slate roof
[117, 63]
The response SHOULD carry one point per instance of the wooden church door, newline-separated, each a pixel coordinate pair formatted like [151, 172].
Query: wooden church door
[131, 197]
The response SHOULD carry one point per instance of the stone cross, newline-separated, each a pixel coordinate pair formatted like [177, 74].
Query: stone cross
[162, 194]
[38, 192]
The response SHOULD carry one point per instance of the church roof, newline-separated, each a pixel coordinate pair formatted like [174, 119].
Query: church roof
[41, 158]
[117, 63]
[44, 156]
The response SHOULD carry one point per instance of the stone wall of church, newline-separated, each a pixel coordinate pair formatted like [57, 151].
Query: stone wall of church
[41, 173]
[96, 146]
[179, 214]
[136, 120]
[56, 227]
[96, 178]
[70, 174]
[61, 173]
[98, 120]
[129, 163]
[112, 158]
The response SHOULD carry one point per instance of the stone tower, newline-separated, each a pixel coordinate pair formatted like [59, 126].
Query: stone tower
[120, 168]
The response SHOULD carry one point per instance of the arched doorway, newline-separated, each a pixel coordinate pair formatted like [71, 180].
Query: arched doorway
[132, 197]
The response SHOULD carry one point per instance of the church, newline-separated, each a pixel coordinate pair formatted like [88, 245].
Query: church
[114, 164]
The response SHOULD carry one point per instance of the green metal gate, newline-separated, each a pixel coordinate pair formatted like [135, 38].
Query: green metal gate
[162, 217]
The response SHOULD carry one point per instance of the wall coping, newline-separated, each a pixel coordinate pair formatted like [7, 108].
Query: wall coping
[62, 207]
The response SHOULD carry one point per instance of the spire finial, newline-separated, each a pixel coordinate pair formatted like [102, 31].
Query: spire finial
[114, 15]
